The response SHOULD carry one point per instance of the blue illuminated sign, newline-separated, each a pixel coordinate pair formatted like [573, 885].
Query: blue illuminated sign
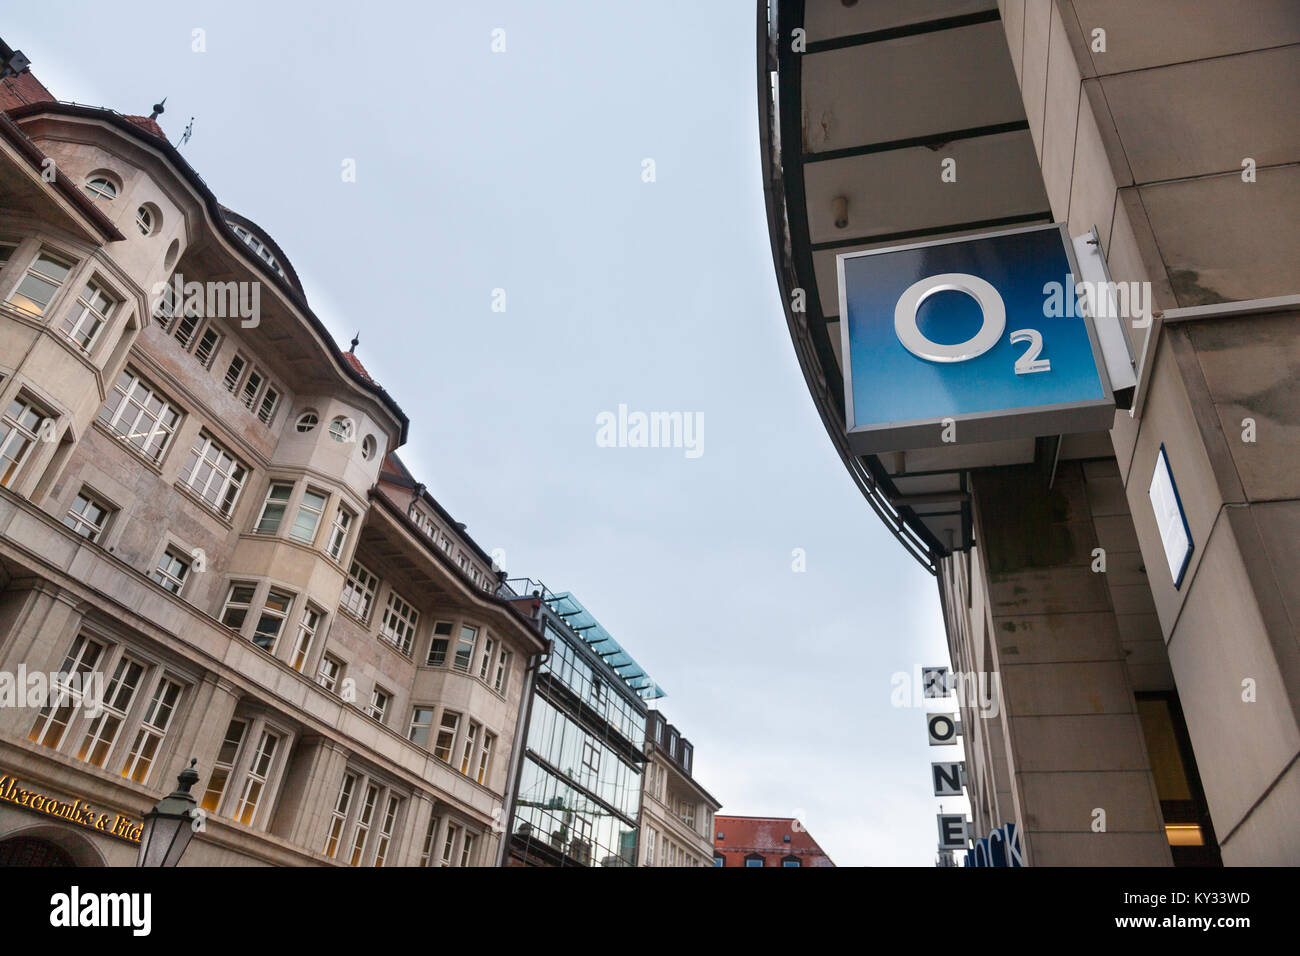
[1000, 848]
[964, 340]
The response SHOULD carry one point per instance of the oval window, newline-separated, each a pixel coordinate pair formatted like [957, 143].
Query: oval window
[368, 447]
[101, 187]
[306, 422]
[147, 220]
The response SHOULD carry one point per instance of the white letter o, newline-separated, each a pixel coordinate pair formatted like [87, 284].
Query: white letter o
[990, 303]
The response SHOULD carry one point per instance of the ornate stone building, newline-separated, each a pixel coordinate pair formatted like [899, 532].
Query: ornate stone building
[206, 536]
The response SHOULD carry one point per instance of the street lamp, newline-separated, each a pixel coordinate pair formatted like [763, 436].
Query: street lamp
[167, 827]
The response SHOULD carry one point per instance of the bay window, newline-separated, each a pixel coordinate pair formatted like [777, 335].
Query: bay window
[18, 434]
[85, 320]
[309, 514]
[40, 283]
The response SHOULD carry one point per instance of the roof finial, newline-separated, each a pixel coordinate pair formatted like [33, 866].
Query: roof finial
[355, 339]
[157, 109]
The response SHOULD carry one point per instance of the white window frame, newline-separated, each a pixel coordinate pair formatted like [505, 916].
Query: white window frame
[164, 573]
[465, 653]
[251, 391]
[415, 725]
[268, 405]
[94, 187]
[84, 314]
[470, 746]
[135, 394]
[252, 800]
[340, 528]
[329, 672]
[399, 622]
[485, 661]
[442, 637]
[65, 698]
[238, 365]
[13, 430]
[467, 848]
[228, 484]
[313, 514]
[502, 680]
[244, 607]
[76, 520]
[67, 263]
[485, 757]
[339, 815]
[153, 730]
[430, 834]
[378, 708]
[365, 818]
[449, 845]
[276, 615]
[105, 727]
[207, 356]
[308, 625]
[362, 583]
[392, 806]
[223, 769]
[451, 732]
[269, 501]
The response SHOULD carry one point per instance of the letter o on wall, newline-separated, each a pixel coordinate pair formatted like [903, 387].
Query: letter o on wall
[942, 728]
[991, 307]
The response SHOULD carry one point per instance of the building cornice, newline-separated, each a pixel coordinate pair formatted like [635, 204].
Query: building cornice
[217, 215]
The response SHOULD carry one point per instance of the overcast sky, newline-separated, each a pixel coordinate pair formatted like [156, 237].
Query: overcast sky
[523, 171]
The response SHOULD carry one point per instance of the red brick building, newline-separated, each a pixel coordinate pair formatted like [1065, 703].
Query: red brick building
[765, 841]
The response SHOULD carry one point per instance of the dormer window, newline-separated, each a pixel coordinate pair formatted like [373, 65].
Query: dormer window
[258, 246]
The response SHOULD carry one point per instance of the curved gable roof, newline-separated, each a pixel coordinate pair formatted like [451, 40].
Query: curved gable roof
[219, 214]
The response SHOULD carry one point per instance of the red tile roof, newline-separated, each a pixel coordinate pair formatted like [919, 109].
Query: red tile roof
[148, 125]
[766, 836]
[357, 367]
[23, 88]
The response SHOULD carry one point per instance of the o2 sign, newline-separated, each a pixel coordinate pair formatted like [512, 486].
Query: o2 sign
[925, 341]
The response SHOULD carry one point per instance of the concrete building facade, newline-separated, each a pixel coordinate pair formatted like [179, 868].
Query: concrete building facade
[1169, 702]
[208, 541]
[676, 811]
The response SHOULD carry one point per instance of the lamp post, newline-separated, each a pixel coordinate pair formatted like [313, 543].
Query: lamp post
[168, 826]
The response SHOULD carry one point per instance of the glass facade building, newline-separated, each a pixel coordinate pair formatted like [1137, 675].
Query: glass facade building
[579, 793]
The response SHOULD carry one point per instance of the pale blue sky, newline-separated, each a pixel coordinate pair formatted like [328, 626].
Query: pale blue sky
[522, 170]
